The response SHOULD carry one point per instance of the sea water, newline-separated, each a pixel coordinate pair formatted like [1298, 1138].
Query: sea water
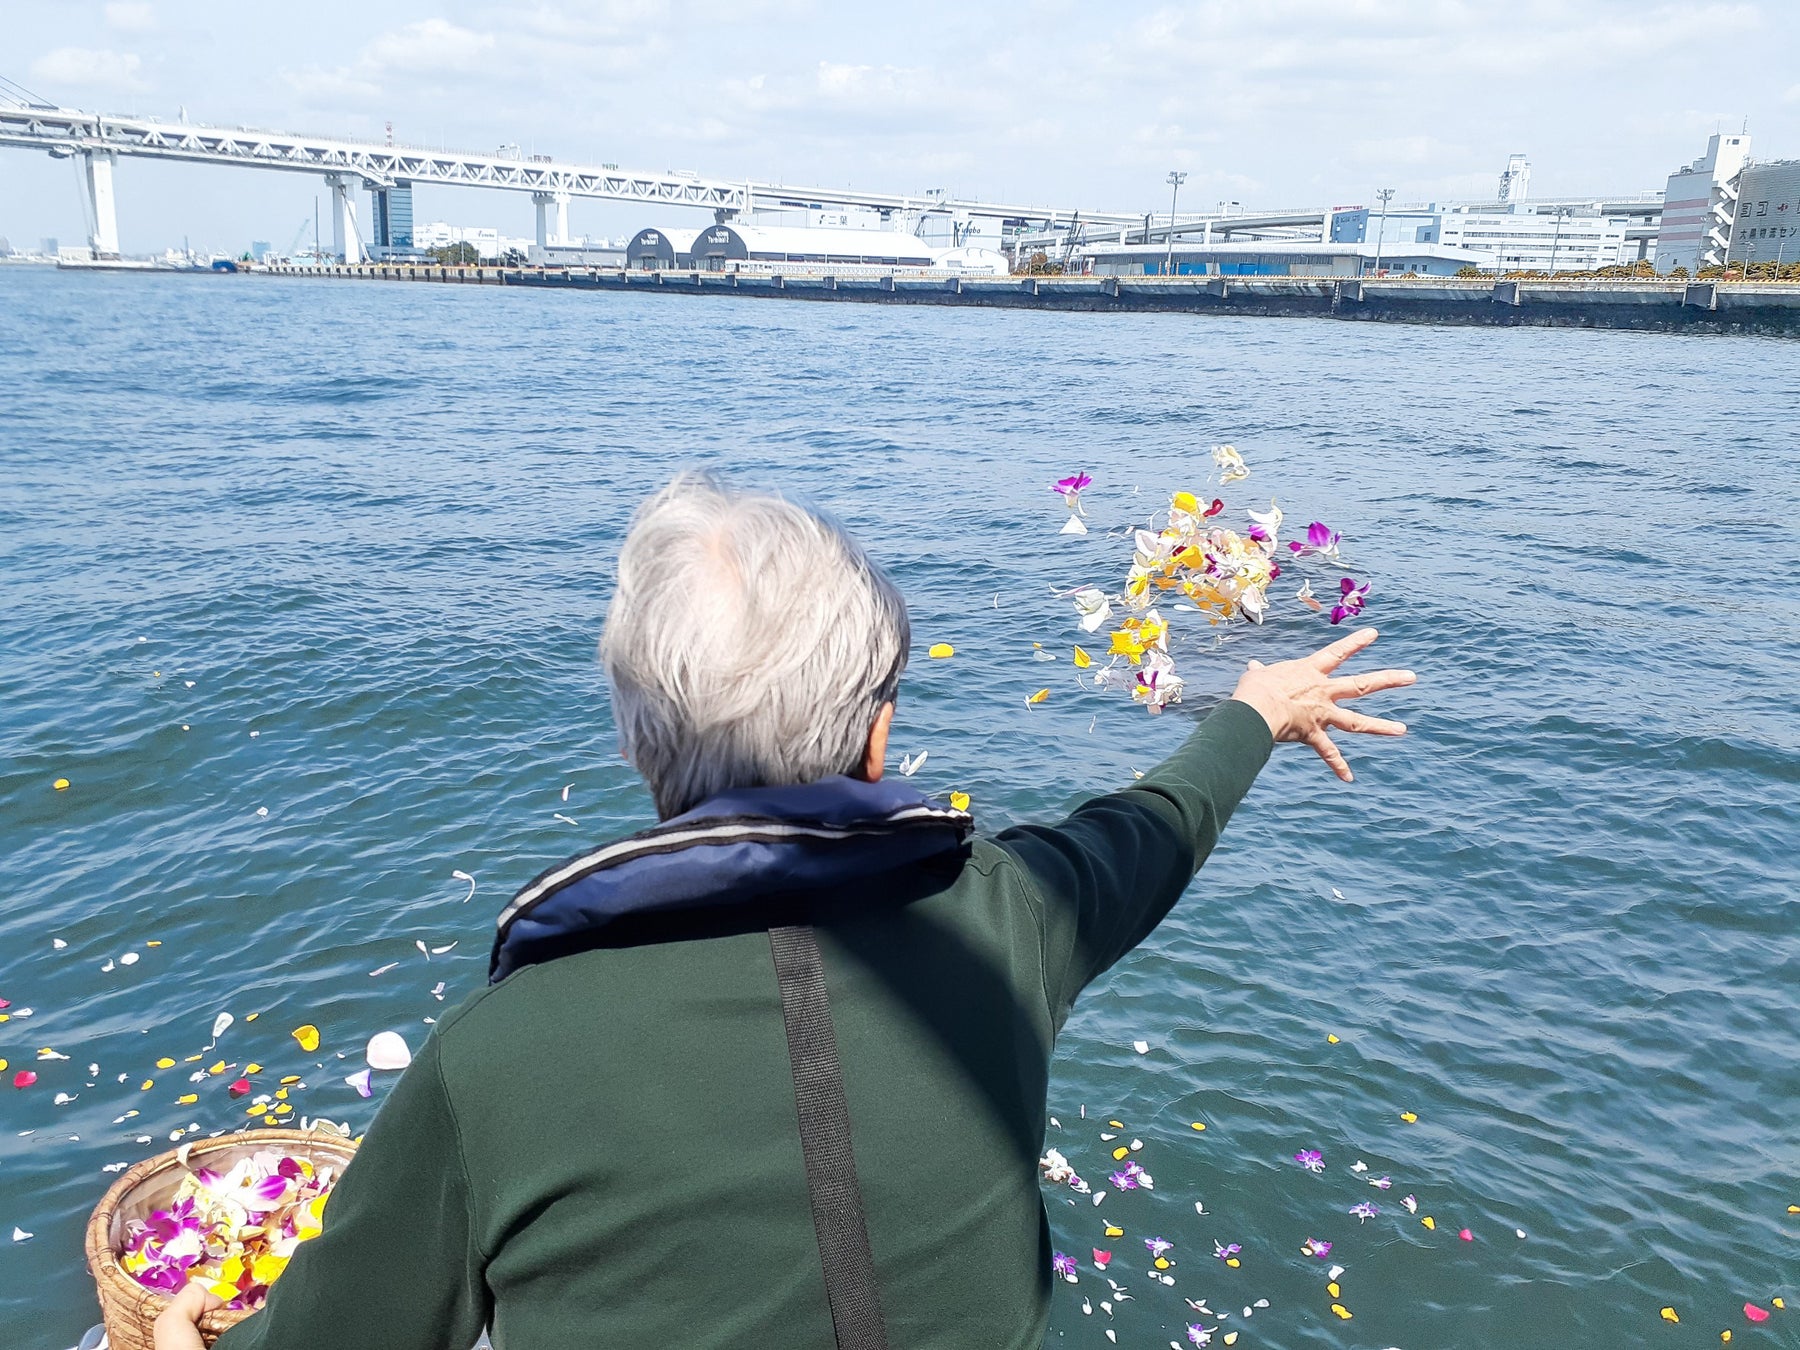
[301, 582]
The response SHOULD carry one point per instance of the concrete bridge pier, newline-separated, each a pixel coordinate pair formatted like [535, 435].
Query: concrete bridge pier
[345, 241]
[98, 172]
[551, 231]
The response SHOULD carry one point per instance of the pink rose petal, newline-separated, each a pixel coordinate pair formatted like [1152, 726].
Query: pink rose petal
[24, 1078]
[1756, 1314]
[1466, 1235]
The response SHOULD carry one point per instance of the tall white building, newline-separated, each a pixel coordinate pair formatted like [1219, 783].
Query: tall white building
[1700, 205]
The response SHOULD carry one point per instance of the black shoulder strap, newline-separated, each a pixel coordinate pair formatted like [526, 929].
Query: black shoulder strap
[831, 1184]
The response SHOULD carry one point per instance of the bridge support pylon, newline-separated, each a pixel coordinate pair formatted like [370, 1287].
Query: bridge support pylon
[98, 172]
[345, 241]
[551, 230]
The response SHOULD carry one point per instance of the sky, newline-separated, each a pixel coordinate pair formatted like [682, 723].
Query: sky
[1276, 103]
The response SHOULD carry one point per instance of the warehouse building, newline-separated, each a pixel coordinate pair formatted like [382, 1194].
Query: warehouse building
[1277, 258]
[656, 248]
[733, 244]
[1699, 205]
[1514, 237]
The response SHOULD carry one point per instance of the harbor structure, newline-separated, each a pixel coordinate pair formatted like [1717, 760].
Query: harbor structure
[1275, 258]
[661, 246]
[391, 220]
[1515, 179]
[737, 246]
[1700, 207]
[1766, 224]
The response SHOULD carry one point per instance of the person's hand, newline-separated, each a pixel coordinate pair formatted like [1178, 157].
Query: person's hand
[178, 1325]
[1299, 699]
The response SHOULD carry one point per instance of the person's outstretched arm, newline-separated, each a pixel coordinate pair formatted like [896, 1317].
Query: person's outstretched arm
[396, 1267]
[1111, 871]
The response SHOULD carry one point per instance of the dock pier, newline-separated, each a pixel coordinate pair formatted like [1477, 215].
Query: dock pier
[1674, 305]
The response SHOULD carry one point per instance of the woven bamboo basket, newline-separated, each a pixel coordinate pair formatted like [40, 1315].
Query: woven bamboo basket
[129, 1310]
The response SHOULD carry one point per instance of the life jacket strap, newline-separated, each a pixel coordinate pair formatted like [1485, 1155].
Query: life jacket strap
[831, 1183]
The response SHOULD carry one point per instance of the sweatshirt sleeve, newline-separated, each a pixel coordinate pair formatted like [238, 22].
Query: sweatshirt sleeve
[396, 1266]
[1110, 872]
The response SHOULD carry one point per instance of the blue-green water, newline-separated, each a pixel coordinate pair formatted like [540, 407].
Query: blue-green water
[340, 552]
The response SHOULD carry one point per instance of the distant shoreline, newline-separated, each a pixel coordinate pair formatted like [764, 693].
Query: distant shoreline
[1766, 308]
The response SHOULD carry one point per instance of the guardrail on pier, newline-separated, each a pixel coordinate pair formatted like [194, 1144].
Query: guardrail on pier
[1769, 308]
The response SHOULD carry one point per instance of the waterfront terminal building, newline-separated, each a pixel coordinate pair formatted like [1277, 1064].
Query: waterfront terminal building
[1276, 258]
[1766, 223]
[1510, 237]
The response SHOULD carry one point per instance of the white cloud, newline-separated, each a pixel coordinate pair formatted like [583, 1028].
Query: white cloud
[130, 16]
[87, 68]
[429, 46]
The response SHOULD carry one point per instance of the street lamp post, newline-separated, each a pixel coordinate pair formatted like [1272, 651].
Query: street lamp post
[1556, 240]
[1386, 195]
[1175, 180]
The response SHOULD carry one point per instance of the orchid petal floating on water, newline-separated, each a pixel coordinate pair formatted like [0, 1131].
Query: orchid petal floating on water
[461, 875]
[1064, 1265]
[388, 1050]
[909, 765]
[360, 1081]
[1311, 1159]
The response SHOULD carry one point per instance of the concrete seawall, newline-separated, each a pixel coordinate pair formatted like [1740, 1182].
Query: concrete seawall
[1663, 306]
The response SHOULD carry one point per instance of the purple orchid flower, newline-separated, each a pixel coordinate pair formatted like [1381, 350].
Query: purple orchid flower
[1311, 1159]
[1380, 1183]
[1199, 1335]
[1158, 1246]
[1320, 538]
[1069, 486]
[1318, 1247]
[1365, 1210]
[1123, 1181]
[1225, 1251]
[1352, 602]
[1063, 1264]
[1259, 534]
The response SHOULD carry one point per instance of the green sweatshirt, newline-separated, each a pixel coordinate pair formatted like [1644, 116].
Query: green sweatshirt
[602, 1150]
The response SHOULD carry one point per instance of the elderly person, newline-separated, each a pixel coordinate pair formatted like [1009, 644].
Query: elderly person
[773, 1071]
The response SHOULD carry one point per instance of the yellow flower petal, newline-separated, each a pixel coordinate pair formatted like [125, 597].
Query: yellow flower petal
[1408, 1117]
[187, 1099]
[1341, 1311]
[1039, 697]
[1670, 1315]
[217, 1069]
[1232, 1261]
[1196, 1125]
[1162, 1263]
[1185, 501]
[1333, 1289]
[1082, 659]
[1119, 1153]
[165, 1063]
[959, 801]
[308, 1036]
[256, 1110]
[252, 1068]
[1429, 1222]
[290, 1080]
[1231, 1338]
[147, 1084]
[1114, 1231]
[940, 651]
[1330, 1039]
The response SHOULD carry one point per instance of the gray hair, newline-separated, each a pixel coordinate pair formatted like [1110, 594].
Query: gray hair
[750, 643]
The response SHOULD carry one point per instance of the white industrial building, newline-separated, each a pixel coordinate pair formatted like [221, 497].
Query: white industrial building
[1766, 224]
[1700, 205]
[1273, 258]
[734, 245]
[1511, 236]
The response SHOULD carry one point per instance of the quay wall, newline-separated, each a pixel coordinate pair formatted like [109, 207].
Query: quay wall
[1665, 306]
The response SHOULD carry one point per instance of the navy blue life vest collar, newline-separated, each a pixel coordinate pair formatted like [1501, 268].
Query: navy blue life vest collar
[734, 849]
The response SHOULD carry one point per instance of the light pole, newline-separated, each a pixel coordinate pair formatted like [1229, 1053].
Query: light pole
[1556, 240]
[1386, 195]
[1175, 180]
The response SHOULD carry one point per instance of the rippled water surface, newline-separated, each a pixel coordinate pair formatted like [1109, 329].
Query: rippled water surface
[339, 553]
